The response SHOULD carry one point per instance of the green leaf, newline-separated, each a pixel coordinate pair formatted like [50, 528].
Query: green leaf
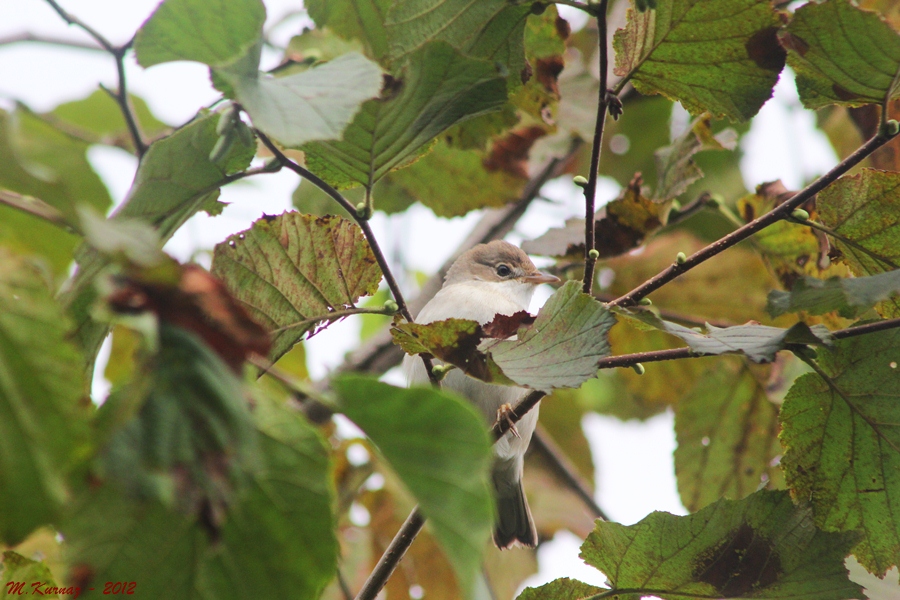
[842, 447]
[669, 51]
[183, 430]
[675, 166]
[488, 29]
[560, 589]
[865, 209]
[99, 115]
[439, 447]
[42, 425]
[452, 182]
[759, 343]
[291, 271]
[559, 349]
[849, 296]
[439, 88]
[842, 55]
[38, 160]
[759, 547]
[316, 104]
[18, 570]
[215, 33]
[175, 180]
[727, 432]
[135, 242]
[278, 536]
[354, 19]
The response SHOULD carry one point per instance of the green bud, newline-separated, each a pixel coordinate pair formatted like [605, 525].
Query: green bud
[594, 254]
[639, 368]
[800, 214]
[361, 210]
[440, 370]
[645, 302]
[890, 128]
[538, 8]
[580, 181]
[675, 206]
[641, 5]
[391, 306]
[680, 258]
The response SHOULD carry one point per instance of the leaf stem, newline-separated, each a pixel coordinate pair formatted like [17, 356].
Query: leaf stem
[335, 316]
[590, 189]
[846, 240]
[363, 224]
[120, 95]
[37, 208]
[781, 212]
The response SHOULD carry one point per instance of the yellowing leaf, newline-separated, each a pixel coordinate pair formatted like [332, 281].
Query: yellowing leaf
[727, 432]
[292, 270]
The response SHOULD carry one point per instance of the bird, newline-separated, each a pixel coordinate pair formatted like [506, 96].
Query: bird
[491, 279]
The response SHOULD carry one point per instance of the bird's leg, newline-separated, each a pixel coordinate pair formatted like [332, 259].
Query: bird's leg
[504, 413]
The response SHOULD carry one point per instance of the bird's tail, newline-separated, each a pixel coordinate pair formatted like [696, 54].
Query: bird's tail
[515, 526]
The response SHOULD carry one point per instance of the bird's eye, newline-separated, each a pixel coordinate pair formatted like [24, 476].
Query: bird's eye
[503, 271]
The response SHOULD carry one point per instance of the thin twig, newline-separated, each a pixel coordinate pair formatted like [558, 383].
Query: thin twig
[391, 557]
[37, 208]
[590, 189]
[366, 229]
[55, 41]
[779, 213]
[335, 316]
[846, 240]
[121, 94]
[565, 470]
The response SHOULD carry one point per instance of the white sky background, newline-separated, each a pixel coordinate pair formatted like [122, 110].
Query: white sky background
[634, 460]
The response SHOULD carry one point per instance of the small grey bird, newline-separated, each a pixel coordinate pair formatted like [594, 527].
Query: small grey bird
[491, 279]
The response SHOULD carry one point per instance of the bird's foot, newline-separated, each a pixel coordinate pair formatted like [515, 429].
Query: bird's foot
[504, 413]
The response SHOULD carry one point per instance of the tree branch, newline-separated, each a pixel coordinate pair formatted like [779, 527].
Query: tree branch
[363, 223]
[120, 95]
[335, 316]
[590, 189]
[781, 212]
[40, 39]
[565, 470]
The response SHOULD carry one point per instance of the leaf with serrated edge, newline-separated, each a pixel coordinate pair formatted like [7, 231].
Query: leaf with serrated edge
[843, 446]
[842, 55]
[439, 88]
[865, 208]
[278, 535]
[669, 51]
[675, 166]
[759, 343]
[849, 296]
[560, 349]
[214, 32]
[561, 589]
[727, 432]
[759, 547]
[40, 423]
[421, 432]
[317, 104]
[290, 271]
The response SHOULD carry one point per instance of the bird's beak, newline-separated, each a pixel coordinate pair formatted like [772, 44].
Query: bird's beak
[538, 277]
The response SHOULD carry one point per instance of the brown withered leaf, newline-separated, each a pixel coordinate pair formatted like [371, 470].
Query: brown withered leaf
[621, 225]
[189, 297]
[510, 152]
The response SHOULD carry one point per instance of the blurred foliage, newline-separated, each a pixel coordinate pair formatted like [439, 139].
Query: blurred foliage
[201, 475]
